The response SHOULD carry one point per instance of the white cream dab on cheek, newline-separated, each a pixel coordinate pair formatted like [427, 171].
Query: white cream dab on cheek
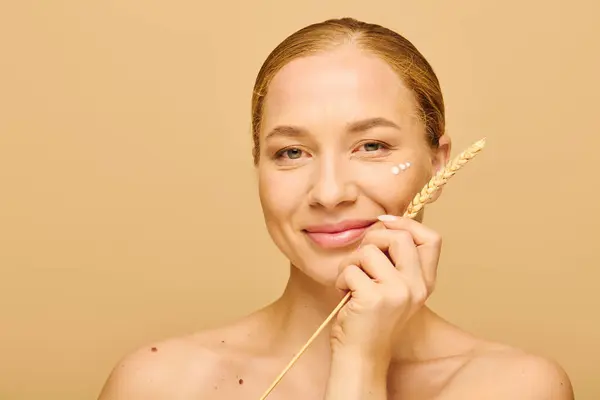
[396, 169]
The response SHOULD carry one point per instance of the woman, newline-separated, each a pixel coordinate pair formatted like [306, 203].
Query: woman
[336, 106]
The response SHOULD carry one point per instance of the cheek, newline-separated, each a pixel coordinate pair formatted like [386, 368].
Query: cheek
[391, 191]
[280, 192]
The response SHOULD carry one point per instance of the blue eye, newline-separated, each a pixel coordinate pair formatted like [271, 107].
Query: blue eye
[291, 153]
[294, 153]
[372, 146]
[374, 149]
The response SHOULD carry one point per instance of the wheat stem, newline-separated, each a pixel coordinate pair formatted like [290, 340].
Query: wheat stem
[416, 205]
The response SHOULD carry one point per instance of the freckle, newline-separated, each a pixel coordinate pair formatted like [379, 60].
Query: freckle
[154, 349]
[241, 381]
[222, 341]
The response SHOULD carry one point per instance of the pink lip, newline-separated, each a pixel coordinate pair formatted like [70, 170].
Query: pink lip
[338, 235]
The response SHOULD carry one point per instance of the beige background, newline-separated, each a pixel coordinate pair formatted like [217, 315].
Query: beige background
[128, 208]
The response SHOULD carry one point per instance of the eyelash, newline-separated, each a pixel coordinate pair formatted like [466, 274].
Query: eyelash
[384, 146]
[280, 154]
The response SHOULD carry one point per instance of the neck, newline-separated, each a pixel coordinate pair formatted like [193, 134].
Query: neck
[304, 306]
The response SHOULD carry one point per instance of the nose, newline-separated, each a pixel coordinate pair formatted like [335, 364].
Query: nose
[331, 186]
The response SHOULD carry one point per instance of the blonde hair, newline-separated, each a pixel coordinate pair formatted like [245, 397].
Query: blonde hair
[410, 65]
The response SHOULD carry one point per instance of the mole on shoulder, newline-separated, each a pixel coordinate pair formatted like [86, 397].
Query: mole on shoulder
[241, 381]
[154, 349]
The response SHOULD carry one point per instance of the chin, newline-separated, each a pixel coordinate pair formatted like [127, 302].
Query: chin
[321, 270]
[315, 265]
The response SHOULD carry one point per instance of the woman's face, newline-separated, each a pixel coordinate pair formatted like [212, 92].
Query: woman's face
[333, 126]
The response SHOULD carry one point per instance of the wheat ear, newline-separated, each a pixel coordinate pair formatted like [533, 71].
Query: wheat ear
[442, 177]
[418, 202]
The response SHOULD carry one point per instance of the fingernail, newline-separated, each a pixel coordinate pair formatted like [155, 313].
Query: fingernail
[387, 218]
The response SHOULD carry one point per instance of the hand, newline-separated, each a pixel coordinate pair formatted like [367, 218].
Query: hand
[390, 276]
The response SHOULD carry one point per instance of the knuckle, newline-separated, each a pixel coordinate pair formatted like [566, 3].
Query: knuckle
[345, 269]
[368, 249]
[436, 239]
[420, 292]
[419, 296]
[345, 263]
[375, 236]
[367, 252]
[350, 270]
[403, 236]
[370, 236]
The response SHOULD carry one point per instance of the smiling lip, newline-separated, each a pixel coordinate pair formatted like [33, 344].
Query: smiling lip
[338, 235]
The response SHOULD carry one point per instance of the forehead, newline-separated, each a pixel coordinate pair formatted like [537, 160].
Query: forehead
[336, 88]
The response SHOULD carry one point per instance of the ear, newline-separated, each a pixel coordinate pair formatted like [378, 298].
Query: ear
[439, 158]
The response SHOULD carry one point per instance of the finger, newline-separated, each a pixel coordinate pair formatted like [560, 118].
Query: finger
[352, 278]
[402, 250]
[428, 243]
[372, 261]
[422, 235]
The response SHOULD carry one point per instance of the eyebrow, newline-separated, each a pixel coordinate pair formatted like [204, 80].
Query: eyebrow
[353, 127]
[369, 123]
[286, 130]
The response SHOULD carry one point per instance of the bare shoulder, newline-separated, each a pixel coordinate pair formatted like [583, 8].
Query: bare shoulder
[189, 366]
[499, 371]
[154, 371]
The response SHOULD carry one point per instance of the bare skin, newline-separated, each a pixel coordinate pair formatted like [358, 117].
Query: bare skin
[240, 361]
[327, 165]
